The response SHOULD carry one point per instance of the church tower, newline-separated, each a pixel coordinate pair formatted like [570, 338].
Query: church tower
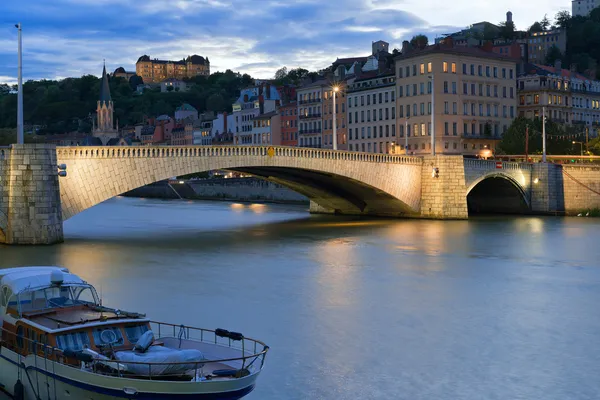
[105, 129]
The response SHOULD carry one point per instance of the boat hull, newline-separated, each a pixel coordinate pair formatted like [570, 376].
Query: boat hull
[49, 381]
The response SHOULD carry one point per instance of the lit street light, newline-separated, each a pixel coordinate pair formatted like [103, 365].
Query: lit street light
[336, 89]
[20, 139]
[580, 146]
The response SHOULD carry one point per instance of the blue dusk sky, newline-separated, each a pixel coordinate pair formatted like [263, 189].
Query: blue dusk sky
[69, 38]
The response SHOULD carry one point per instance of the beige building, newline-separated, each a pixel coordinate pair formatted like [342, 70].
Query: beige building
[310, 113]
[371, 113]
[155, 70]
[540, 42]
[475, 99]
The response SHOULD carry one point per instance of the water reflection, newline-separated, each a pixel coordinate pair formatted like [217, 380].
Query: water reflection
[353, 308]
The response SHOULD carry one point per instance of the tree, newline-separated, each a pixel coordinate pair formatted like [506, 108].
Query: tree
[558, 137]
[281, 73]
[536, 27]
[215, 103]
[545, 22]
[134, 81]
[594, 146]
[169, 88]
[419, 41]
[552, 55]
[489, 32]
[562, 19]
[4, 89]
[507, 30]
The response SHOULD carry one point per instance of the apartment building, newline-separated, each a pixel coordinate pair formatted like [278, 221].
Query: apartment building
[289, 124]
[372, 113]
[569, 98]
[540, 42]
[474, 94]
[253, 102]
[266, 129]
[310, 113]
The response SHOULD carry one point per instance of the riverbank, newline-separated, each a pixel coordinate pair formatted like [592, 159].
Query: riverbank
[233, 189]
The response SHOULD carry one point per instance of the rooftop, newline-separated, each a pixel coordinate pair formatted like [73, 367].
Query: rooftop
[449, 49]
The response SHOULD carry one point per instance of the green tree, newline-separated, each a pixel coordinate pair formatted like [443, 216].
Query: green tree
[558, 138]
[562, 19]
[507, 30]
[536, 27]
[545, 22]
[419, 41]
[281, 73]
[594, 146]
[489, 32]
[552, 55]
[215, 103]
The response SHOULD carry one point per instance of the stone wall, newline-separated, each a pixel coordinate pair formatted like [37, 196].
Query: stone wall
[581, 187]
[33, 196]
[444, 196]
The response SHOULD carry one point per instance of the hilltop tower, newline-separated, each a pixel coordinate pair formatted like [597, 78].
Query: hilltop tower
[105, 129]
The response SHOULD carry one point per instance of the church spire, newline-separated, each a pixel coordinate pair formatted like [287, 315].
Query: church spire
[104, 88]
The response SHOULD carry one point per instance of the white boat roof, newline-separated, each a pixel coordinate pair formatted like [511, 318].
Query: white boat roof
[21, 278]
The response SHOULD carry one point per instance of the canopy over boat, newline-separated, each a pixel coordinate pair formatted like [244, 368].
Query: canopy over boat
[20, 279]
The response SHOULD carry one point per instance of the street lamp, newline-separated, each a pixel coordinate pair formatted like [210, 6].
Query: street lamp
[336, 89]
[580, 146]
[432, 115]
[20, 139]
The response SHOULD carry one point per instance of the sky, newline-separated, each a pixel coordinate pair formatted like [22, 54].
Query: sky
[70, 38]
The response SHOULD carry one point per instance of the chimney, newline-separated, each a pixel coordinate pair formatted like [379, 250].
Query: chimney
[405, 46]
[449, 42]
[558, 65]
[509, 17]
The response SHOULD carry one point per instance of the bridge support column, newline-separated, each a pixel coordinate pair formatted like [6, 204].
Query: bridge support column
[34, 211]
[547, 189]
[317, 209]
[443, 191]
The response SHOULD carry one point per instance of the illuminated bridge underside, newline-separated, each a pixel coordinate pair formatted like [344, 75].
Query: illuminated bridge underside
[340, 182]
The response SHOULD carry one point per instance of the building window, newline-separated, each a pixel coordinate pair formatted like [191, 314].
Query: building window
[422, 69]
[446, 131]
[400, 72]
[446, 110]
[487, 71]
[422, 88]
[429, 67]
[465, 88]
[472, 69]
[495, 72]
[464, 68]
[480, 70]
[444, 66]
[454, 108]
[454, 129]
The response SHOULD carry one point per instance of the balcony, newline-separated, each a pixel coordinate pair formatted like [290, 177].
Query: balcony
[309, 131]
[309, 116]
[578, 122]
[311, 101]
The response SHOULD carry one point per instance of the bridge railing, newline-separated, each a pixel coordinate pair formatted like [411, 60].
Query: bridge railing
[493, 164]
[558, 159]
[111, 152]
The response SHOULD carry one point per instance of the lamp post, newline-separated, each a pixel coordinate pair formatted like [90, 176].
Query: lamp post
[580, 147]
[20, 138]
[406, 135]
[336, 89]
[432, 115]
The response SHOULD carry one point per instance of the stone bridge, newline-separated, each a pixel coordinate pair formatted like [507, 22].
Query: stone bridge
[34, 200]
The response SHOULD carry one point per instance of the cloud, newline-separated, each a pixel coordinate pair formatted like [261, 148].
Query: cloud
[72, 37]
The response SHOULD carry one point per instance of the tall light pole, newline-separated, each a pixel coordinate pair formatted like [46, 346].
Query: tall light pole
[20, 138]
[336, 89]
[580, 147]
[432, 115]
[406, 135]
[544, 129]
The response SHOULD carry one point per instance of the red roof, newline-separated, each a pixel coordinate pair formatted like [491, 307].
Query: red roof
[562, 72]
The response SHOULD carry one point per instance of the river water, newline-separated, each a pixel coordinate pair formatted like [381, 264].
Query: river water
[491, 308]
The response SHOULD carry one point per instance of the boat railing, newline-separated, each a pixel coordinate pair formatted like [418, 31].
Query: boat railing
[253, 352]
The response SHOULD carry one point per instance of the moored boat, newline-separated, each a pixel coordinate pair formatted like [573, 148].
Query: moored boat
[58, 341]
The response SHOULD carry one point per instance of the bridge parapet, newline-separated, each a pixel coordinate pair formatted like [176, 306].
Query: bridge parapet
[70, 152]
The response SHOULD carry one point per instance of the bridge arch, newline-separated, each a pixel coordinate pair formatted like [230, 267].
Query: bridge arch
[342, 182]
[497, 192]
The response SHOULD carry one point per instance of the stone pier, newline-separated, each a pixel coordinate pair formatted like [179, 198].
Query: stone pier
[30, 210]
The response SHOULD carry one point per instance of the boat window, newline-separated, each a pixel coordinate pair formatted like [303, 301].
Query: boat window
[56, 296]
[74, 341]
[12, 306]
[103, 336]
[6, 294]
[134, 332]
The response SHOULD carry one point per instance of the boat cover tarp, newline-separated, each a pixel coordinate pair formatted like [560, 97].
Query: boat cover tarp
[165, 357]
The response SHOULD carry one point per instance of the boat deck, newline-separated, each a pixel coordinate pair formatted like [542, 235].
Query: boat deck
[57, 318]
